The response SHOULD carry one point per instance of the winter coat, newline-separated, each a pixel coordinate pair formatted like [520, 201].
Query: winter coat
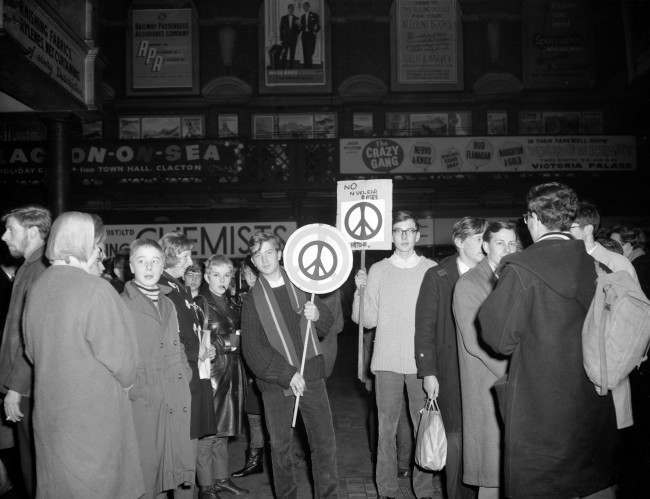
[80, 337]
[160, 397]
[189, 324]
[560, 435]
[479, 369]
[227, 373]
[436, 349]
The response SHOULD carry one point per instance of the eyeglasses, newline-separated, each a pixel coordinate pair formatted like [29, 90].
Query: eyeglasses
[404, 232]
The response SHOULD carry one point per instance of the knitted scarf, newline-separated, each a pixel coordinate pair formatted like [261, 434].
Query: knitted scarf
[273, 321]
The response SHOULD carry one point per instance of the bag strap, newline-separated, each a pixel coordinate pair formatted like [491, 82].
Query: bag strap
[602, 389]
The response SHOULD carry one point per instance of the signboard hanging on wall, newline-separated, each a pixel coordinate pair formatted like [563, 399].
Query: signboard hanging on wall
[488, 154]
[162, 51]
[426, 45]
[295, 47]
[558, 44]
[48, 44]
[228, 239]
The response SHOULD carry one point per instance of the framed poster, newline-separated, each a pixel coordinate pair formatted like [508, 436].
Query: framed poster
[362, 124]
[460, 123]
[295, 47]
[161, 127]
[530, 123]
[295, 125]
[263, 126]
[497, 122]
[398, 125]
[192, 127]
[561, 122]
[426, 45]
[92, 130]
[162, 52]
[228, 125]
[558, 44]
[591, 122]
[325, 125]
[129, 128]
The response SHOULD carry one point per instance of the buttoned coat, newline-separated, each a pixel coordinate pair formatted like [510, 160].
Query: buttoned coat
[479, 370]
[436, 348]
[160, 397]
[560, 435]
[189, 324]
[80, 337]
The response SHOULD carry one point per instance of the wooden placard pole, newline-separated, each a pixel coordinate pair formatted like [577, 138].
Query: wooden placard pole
[302, 367]
[361, 371]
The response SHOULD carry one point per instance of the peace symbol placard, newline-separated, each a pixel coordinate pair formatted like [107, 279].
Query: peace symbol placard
[317, 258]
[364, 213]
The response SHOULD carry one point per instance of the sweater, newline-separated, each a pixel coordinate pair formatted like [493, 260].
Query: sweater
[389, 305]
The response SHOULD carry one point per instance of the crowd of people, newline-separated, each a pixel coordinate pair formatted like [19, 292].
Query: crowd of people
[131, 385]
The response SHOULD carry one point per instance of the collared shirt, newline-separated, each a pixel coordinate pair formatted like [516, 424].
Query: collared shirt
[462, 266]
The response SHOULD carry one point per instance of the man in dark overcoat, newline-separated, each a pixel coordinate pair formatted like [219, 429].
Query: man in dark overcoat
[560, 435]
[289, 31]
[310, 26]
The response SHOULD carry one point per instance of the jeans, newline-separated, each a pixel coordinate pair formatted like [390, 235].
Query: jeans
[389, 388]
[317, 417]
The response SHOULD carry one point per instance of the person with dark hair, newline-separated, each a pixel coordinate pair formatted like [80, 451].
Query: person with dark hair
[289, 31]
[392, 286]
[480, 368]
[633, 242]
[309, 26]
[274, 321]
[560, 435]
[80, 338]
[193, 277]
[222, 323]
[160, 397]
[26, 231]
[436, 346]
[177, 252]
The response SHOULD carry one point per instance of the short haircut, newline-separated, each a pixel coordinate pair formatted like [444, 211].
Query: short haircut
[632, 235]
[173, 244]
[216, 260]
[142, 242]
[248, 263]
[72, 235]
[403, 215]
[259, 237]
[555, 205]
[587, 214]
[195, 268]
[32, 216]
[100, 230]
[611, 245]
[468, 226]
[493, 227]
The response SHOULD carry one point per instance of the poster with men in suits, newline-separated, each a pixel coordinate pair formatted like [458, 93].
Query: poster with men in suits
[295, 51]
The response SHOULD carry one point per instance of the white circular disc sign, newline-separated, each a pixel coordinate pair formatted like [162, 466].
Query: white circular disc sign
[317, 258]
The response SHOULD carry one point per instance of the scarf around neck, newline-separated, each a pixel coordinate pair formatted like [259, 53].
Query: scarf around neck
[273, 322]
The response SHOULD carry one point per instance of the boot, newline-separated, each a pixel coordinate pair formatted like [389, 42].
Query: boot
[254, 463]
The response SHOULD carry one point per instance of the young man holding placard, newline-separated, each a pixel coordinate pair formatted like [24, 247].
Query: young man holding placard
[274, 329]
[392, 288]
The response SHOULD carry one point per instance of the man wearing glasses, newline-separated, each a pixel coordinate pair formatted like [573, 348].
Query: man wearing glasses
[436, 349]
[392, 287]
[560, 435]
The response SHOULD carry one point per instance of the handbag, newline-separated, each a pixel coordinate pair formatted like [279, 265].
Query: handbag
[431, 442]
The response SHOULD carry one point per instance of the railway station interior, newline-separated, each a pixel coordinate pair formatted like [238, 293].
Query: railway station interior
[201, 115]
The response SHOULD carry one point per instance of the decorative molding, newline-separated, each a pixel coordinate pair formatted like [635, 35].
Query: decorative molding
[227, 88]
[363, 87]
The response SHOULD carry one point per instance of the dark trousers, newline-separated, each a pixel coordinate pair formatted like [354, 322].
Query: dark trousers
[288, 49]
[25, 441]
[317, 417]
[308, 46]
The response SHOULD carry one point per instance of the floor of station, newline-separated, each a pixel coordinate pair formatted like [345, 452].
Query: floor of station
[349, 408]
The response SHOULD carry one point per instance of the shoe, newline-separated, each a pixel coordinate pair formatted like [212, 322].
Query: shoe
[254, 464]
[208, 493]
[228, 486]
[403, 473]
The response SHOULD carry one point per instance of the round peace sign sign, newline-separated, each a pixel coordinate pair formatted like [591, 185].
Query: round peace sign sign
[317, 258]
[363, 221]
